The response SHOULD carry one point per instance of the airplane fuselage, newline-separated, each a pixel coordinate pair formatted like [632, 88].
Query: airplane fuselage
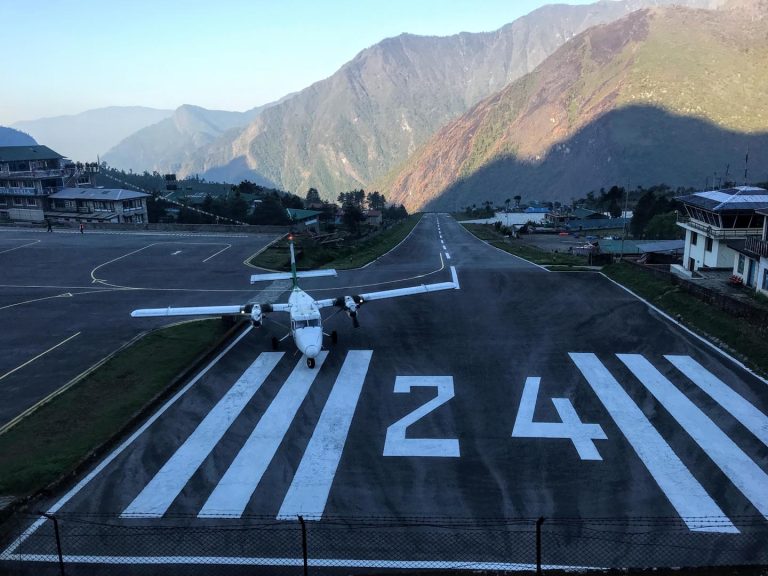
[306, 323]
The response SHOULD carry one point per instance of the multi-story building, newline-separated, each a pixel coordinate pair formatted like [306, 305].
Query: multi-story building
[98, 205]
[715, 218]
[28, 175]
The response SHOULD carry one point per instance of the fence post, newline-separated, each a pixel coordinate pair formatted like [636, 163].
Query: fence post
[539, 522]
[304, 545]
[58, 540]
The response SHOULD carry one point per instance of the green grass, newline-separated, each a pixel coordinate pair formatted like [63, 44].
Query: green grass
[518, 248]
[50, 442]
[353, 255]
[734, 334]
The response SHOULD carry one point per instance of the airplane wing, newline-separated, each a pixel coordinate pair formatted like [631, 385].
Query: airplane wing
[188, 311]
[247, 309]
[357, 300]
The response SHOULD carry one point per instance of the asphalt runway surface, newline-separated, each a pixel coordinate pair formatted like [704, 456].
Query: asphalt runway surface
[62, 309]
[424, 434]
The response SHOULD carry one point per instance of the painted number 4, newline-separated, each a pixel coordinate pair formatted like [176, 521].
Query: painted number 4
[582, 435]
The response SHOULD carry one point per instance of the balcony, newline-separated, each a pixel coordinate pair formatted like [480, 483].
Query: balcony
[758, 246]
[715, 232]
[19, 192]
[37, 174]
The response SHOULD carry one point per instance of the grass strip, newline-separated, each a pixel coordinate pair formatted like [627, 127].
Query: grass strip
[343, 257]
[737, 337]
[533, 254]
[51, 442]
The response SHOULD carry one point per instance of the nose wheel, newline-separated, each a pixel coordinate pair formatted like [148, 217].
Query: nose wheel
[310, 362]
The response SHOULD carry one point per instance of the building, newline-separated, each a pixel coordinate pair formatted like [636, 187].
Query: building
[302, 220]
[373, 218]
[28, 175]
[750, 266]
[715, 218]
[98, 205]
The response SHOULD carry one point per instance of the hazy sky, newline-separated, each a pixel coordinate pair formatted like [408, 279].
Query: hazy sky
[68, 56]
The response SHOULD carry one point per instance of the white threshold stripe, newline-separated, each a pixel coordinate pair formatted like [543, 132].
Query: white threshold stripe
[740, 469]
[311, 485]
[735, 404]
[233, 492]
[119, 450]
[156, 497]
[314, 562]
[683, 491]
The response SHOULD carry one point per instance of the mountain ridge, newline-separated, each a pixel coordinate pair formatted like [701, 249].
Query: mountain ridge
[676, 59]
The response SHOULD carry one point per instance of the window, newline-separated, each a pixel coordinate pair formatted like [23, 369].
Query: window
[740, 265]
[18, 201]
[3, 202]
[708, 244]
[765, 279]
[694, 238]
[31, 202]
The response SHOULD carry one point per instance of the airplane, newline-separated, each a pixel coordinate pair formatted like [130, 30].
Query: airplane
[306, 320]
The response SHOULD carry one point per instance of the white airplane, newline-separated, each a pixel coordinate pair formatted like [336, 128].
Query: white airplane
[306, 321]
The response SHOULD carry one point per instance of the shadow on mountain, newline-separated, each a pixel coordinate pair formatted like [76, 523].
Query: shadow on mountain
[635, 145]
[235, 171]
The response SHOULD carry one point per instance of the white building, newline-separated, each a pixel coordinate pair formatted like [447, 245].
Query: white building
[751, 261]
[715, 218]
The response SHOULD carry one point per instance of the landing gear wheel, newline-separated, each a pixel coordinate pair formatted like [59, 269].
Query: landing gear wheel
[274, 343]
[334, 337]
[310, 362]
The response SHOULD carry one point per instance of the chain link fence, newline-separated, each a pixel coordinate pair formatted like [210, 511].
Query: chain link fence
[90, 544]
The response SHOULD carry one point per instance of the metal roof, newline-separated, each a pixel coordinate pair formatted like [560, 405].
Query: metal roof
[20, 153]
[740, 198]
[96, 194]
[661, 246]
[299, 214]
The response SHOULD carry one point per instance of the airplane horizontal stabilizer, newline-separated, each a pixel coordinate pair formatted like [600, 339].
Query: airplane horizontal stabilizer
[288, 276]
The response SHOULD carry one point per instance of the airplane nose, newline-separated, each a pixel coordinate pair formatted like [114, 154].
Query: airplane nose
[311, 351]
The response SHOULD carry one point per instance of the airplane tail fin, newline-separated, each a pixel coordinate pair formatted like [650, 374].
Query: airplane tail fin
[293, 274]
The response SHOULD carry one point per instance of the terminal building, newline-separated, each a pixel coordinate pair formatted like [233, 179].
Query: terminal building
[37, 183]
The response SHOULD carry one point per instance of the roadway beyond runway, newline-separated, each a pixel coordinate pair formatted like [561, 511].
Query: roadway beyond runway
[523, 394]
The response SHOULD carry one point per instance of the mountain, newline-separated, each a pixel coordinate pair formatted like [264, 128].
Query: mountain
[664, 95]
[84, 136]
[350, 129]
[164, 146]
[11, 137]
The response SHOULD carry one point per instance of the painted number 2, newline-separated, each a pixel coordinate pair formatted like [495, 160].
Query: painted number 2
[582, 435]
[396, 444]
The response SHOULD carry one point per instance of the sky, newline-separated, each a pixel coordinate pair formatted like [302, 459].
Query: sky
[69, 56]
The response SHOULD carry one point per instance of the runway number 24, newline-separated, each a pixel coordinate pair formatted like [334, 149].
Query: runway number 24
[570, 427]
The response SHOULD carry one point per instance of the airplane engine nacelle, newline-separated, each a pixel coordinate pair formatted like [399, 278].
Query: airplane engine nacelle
[256, 315]
[350, 305]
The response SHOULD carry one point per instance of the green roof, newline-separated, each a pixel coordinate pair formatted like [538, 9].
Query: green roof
[17, 153]
[298, 214]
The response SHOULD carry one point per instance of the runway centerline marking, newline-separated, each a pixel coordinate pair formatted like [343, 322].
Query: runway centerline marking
[311, 485]
[28, 362]
[735, 464]
[735, 404]
[234, 490]
[165, 486]
[683, 491]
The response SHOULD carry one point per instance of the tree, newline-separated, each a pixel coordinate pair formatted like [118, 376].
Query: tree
[518, 199]
[663, 227]
[269, 211]
[313, 197]
[352, 217]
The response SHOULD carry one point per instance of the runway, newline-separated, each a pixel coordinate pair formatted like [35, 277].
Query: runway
[524, 394]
